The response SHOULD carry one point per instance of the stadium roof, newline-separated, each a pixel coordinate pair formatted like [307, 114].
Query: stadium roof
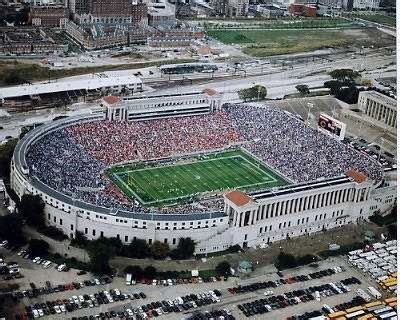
[239, 198]
[62, 86]
[356, 176]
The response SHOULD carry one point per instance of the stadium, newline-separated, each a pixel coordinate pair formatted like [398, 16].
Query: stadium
[235, 174]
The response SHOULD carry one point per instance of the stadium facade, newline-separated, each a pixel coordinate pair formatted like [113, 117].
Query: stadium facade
[246, 219]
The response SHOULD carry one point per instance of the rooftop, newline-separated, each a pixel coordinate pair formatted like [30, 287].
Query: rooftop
[356, 176]
[61, 86]
[210, 92]
[111, 100]
[239, 198]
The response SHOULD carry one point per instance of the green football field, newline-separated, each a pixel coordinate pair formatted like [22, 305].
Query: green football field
[166, 184]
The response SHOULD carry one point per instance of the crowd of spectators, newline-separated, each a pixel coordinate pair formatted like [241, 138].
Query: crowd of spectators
[294, 149]
[113, 141]
[72, 160]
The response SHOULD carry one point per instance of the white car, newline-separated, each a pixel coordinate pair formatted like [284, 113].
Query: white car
[268, 293]
[35, 313]
[97, 281]
[76, 300]
[3, 243]
[81, 299]
[130, 313]
[57, 309]
[63, 309]
[41, 313]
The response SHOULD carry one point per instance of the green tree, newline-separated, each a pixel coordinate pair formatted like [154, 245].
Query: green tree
[38, 247]
[13, 77]
[223, 268]
[285, 261]
[306, 259]
[333, 85]
[138, 248]
[135, 271]
[184, 250]
[32, 209]
[100, 254]
[344, 75]
[150, 272]
[303, 89]
[11, 229]
[348, 94]
[159, 250]
[80, 240]
[6, 153]
[256, 92]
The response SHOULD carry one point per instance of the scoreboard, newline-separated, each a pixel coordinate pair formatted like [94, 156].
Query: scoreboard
[331, 126]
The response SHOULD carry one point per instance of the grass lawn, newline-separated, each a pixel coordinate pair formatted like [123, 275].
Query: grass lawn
[263, 43]
[158, 185]
[378, 18]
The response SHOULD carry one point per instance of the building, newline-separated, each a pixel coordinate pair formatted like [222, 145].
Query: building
[378, 106]
[27, 40]
[231, 8]
[49, 16]
[366, 4]
[100, 35]
[139, 14]
[110, 9]
[298, 9]
[247, 219]
[270, 11]
[238, 8]
[156, 106]
[331, 3]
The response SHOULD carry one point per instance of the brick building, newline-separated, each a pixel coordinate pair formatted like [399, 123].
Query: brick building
[49, 16]
[299, 9]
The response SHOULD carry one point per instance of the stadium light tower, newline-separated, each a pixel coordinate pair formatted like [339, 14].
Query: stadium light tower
[310, 106]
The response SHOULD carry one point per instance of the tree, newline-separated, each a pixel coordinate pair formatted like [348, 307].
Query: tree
[333, 85]
[344, 75]
[303, 89]
[11, 229]
[256, 92]
[184, 250]
[159, 250]
[6, 153]
[306, 259]
[138, 248]
[223, 268]
[100, 253]
[38, 247]
[348, 94]
[149, 272]
[80, 240]
[392, 230]
[32, 209]
[366, 83]
[135, 271]
[285, 261]
[13, 77]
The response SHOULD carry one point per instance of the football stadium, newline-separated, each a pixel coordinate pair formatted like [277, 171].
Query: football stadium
[220, 174]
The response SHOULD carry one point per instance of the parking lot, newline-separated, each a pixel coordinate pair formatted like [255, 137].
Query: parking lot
[156, 294]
